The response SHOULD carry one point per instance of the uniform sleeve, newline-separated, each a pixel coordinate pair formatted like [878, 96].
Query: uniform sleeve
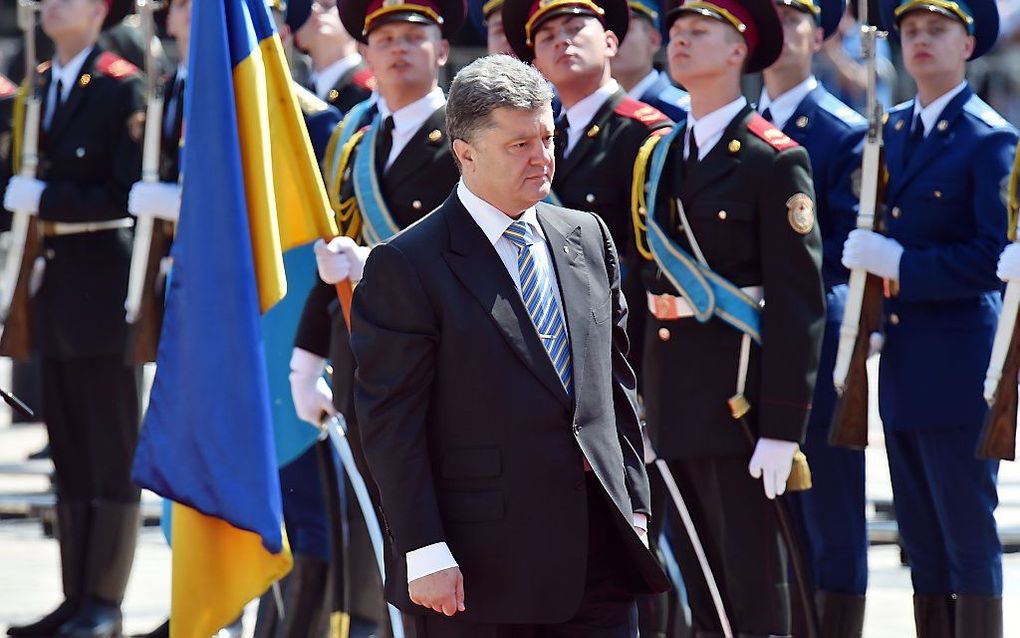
[625, 386]
[394, 338]
[313, 330]
[98, 200]
[962, 269]
[794, 315]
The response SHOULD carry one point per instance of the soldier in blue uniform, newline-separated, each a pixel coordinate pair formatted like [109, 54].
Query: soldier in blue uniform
[633, 65]
[948, 157]
[831, 513]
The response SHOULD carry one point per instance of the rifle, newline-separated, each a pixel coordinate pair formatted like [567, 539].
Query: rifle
[998, 436]
[15, 297]
[863, 313]
[143, 305]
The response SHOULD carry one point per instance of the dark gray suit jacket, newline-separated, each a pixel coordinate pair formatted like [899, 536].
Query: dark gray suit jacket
[467, 430]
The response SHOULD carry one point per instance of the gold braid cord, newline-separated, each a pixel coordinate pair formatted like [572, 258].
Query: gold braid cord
[346, 213]
[1013, 202]
[19, 126]
[638, 195]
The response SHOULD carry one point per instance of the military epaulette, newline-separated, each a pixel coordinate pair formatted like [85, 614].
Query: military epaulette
[114, 66]
[641, 112]
[7, 88]
[978, 108]
[677, 97]
[772, 136]
[365, 79]
[309, 102]
[840, 111]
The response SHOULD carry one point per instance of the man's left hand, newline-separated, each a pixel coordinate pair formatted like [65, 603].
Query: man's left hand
[23, 194]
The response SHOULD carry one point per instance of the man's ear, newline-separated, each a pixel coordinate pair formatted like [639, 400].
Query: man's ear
[612, 44]
[443, 52]
[465, 154]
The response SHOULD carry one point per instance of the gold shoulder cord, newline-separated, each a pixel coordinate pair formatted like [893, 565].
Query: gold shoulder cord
[1013, 203]
[348, 218]
[19, 126]
[638, 200]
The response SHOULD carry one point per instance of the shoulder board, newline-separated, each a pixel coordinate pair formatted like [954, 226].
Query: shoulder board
[831, 104]
[770, 134]
[978, 108]
[902, 106]
[114, 66]
[365, 79]
[677, 97]
[641, 112]
[43, 67]
[308, 101]
[7, 88]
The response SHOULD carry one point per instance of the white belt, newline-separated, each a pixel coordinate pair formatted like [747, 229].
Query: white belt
[669, 307]
[52, 229]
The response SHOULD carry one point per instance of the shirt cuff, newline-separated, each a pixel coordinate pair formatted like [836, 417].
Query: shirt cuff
[429, 560]
[640, 521]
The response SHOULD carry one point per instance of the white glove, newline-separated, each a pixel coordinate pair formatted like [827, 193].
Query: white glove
[873, 252]
[23, 194]
[771, 461]
[161, 200]
[312, 395]
[342, 258]
[1009, 263]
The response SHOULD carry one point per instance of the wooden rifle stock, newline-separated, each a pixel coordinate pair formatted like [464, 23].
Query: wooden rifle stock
[998, 437]
[143, 339]
[16, 339]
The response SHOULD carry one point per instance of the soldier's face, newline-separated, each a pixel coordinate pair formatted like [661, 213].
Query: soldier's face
[323, 22]
[638, 47]
[71, 18]
[702, 48]
[510, 163]
[934, 45]
[178, 19]
[801, 38]
[406, 53]
[497, 41]
[568, 47]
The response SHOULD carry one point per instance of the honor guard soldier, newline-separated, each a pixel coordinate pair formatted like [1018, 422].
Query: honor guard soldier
[729, 222]
[948, 157]
[601, 128]
[633, 65]
[487, 17]
[831, 513]
[90, 154]
[339, 74]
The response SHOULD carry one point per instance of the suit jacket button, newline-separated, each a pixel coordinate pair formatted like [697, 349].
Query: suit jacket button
[722, 214]
[894, 319]
[416, 204]
[590, 198]
[664, 334]
[896, 212]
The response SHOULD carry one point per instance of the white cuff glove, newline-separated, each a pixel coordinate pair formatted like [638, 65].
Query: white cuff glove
[1009, 263]
[23, 194]
[161, 200]
[873, 252]
[342, 258]
[312, 395]
[771, 461]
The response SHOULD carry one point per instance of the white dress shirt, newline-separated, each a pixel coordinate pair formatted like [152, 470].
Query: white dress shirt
[639, 89]
[327, 78]
[784, 106]
[580, 115]
[708, 130]
[931, 113]
[493, 222]
[67, 75]
[408, 120]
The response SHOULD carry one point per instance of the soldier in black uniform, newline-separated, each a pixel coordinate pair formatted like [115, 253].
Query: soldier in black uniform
[397, 146]
[90, 154]
[730, 222]
[601, 128]
[339, 74]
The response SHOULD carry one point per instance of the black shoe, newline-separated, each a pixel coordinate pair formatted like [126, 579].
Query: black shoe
[841, 615]
[978, 616]
[94, 619]
[934, 615]
[163, 631]
[48, 625]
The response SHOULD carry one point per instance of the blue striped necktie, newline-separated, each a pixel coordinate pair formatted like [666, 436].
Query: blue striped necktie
[539, 299]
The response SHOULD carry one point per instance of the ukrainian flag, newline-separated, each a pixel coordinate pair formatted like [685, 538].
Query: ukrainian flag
[251, 191]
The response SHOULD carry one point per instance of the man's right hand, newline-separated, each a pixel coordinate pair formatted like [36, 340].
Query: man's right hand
[161, 200]
[1009, 263]
[342, 258]
[442, 591]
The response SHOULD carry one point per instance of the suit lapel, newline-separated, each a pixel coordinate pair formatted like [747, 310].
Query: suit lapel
[719, 160]
[64, 114]
[894, 139]
[476, 264]
[589, 140]
[937, 140]
[414, 155]
[575, 290]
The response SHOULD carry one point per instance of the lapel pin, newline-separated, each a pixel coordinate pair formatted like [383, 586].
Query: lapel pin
[85, 79]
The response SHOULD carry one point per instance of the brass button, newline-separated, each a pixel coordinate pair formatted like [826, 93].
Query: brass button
[332, 95]
[802, 121]
[734, 146]
[937, 194]
[942, 125]
[722, 214]
[49, 254]
[435, 136]
[896, 212]
[416, 204]
[593, 131]
[85, 79]
[894, 319]
[899, 125]
[590, 198]
[664, 334]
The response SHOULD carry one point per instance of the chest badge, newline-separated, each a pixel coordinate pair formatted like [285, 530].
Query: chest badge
[800, 211]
